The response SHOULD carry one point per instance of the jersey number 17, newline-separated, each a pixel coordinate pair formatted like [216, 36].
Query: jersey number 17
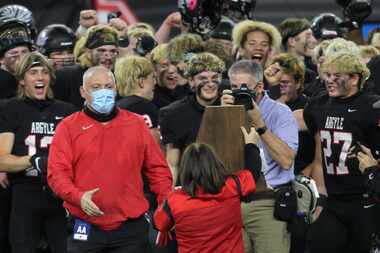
[31, 143]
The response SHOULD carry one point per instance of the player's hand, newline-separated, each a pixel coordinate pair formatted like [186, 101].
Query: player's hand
[251, 137]
[87, 18]
[120, 25]
[365, 158]
[298, 115]
[39, 163]
[273, 74]
[227, 98]
[174, 19]
[88, 206]
[4, 182]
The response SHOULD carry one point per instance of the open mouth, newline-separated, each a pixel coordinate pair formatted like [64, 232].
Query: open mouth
[330, 88]
[107, 64]
[172, 78]
[39, 86]
[210, 90]
[257, 57]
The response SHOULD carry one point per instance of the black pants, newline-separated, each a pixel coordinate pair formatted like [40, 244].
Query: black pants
[298, 228]
[36, 213]
[131, 237]
[343, 226]
[5, 208]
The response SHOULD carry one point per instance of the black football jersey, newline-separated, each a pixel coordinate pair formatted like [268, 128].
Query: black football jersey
[8, 85]
[306, 143]
[67, 85]
[342, 123]
[33, 124]
[164, 96]
[180, 121]
[141, 106]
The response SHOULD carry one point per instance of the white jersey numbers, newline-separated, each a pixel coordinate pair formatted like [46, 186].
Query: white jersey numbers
[342, 141]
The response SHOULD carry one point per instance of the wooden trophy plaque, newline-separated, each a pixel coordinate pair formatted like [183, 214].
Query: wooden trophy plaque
[220, 128]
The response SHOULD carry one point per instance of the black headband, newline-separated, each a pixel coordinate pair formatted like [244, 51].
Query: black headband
[101, 38]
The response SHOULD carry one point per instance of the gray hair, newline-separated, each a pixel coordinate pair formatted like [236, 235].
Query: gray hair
[247, 67]
[89, 72]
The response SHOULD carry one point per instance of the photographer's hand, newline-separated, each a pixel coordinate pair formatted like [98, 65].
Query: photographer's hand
[255, 116]
[227, 98]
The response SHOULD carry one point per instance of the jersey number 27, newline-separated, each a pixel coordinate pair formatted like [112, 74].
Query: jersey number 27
[344, 140]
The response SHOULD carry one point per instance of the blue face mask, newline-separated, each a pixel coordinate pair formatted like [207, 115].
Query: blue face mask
[103, 100]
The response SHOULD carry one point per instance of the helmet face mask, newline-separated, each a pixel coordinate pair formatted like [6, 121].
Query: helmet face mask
[326, 26]
[61, 58]
[13, 34]
[200, 16]
[58, 40]
[21, 14]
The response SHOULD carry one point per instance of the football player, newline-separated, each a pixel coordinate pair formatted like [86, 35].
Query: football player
[57, 42]
[339, 120]
[27, 125]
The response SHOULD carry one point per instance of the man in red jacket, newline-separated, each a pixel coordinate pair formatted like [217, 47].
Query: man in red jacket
[96, 163]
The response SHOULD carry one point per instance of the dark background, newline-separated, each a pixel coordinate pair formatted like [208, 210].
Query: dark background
[154, 11]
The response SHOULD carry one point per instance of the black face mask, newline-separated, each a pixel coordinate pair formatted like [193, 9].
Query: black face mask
[274, 92]
[98, 116]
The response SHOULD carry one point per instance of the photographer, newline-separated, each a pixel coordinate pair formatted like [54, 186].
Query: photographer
[278, 129]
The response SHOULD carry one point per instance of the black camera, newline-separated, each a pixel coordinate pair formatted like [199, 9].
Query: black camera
[244, 96]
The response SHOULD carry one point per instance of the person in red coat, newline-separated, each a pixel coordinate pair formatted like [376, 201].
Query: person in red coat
[205, 211]
[96, 165]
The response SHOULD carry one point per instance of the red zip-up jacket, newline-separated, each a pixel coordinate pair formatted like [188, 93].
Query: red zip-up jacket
[86, 154]
[208, 223]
